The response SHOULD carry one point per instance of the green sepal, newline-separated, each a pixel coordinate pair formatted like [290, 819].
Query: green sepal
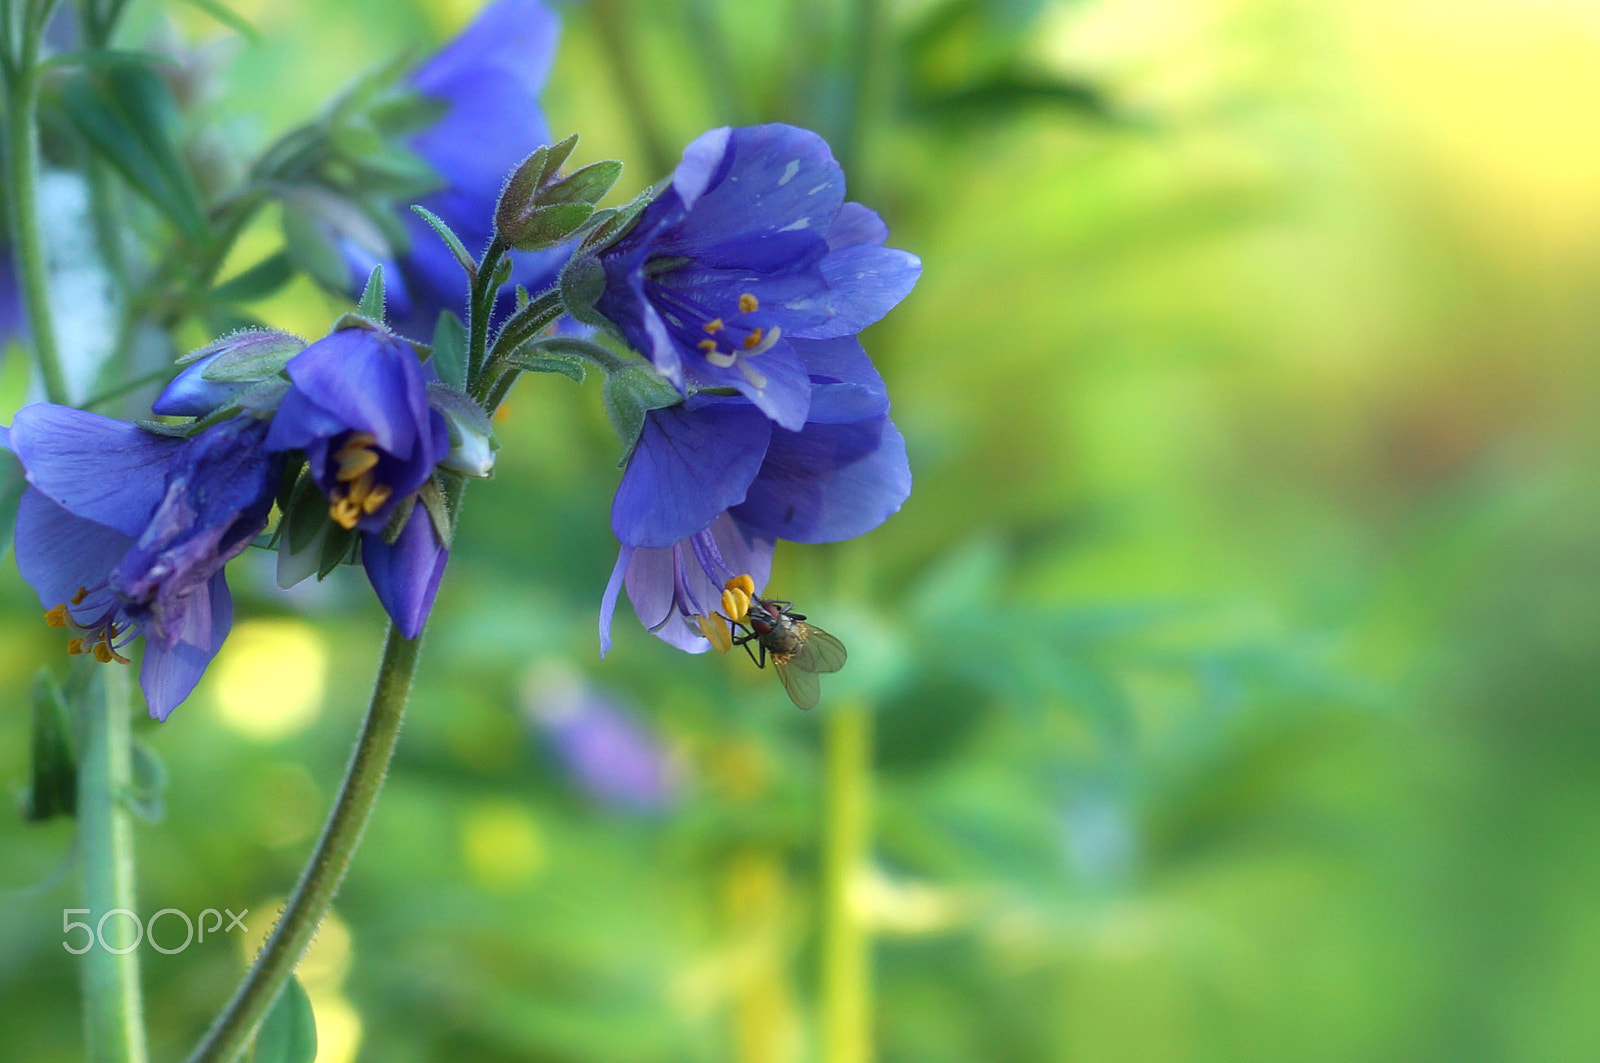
[305, 514]
[145, 795]
[451, 240]
[53, 785]
[398, 519]
[289, 1032]
[502, 273]
[370, 305]
[610, 225]
[583, 281]
[126, 113]
[450, 350]
[632, 393]
[259, 281]
[257, 362]
[338, 546]
[431, 497]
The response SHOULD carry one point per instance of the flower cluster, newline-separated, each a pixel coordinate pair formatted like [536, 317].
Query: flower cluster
[743, 282]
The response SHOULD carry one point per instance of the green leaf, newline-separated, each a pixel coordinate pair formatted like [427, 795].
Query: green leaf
[253, 361]
[450, 350]
[582, 282]
[311, 249]
[125, 112]
[568, 347]
[146, 792]
[53, 787]
[632, 393]
[229, 18]
[371, 302]
[337, 547]
[305, 514]
[451, 240]
[289, 1032]
[551, 363]
[259, 281]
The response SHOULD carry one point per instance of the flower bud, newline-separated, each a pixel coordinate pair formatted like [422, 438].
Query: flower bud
[224, 369]
[472, 441]
[540, 208]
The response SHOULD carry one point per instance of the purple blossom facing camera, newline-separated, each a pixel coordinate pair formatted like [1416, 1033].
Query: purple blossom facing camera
[489, 78]
[713, 484]
[358, 406]
[751, 248]
[123, 532]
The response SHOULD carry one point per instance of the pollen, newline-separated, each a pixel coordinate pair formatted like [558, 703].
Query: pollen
[75, 647]
[735, 604]
[83, 592]
[363, 497]
[59, 616]
[716, 631]
[707, 345]
[713, 326]
[356, 456]
[748, 304]
[742, 582]
[753, 340]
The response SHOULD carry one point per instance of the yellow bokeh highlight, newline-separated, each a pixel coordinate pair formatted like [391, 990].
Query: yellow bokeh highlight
[269, 678]
[338, 1028]
[502, 845]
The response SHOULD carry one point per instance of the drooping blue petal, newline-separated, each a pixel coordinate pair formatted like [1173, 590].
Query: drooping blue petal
[57, 552]
[828, 483]
[692, 462]
[171, 668]
[608, 600]
[366, 381]
[406, 574]
[95, 467]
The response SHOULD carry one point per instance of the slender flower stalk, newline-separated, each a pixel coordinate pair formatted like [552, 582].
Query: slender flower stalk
[846, 945]
[320, 881]
[113, 1012]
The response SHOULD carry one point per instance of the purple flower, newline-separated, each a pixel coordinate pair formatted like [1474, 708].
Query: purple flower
[358, 407]
[601, 742]
[122, 532]
[489, 78]
[713, 485]
[750, 248]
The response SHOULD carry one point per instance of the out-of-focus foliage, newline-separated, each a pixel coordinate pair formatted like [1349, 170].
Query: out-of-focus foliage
[1232, 667]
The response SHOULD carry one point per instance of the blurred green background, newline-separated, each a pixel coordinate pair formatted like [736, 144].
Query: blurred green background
[1225, 691]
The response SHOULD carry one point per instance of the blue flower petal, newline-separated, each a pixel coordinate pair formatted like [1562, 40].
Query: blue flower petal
[608, 601]
[57, 552]
[692, 462]
[865, 282]
[782, 391]
[191, 395]
[97, 468]
[171, 669]
[828, 483]
[856, 224]
[406, 575]
[772, 180]
[367, 381]
[846, 386]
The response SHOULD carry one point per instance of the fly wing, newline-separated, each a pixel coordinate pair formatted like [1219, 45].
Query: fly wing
[803, 687]
[821, 652]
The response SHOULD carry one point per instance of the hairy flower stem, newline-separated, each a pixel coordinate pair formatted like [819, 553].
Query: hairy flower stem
[846, 948]
[480, 307]
[313, 895]
[113, 1016]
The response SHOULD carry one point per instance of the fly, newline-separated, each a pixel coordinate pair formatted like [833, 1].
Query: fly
[800, 651]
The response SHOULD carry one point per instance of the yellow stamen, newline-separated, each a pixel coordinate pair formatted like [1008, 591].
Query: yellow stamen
[59, 616]
[713, 326]
[359, 440]
[344, 512]
[83, 592]
[352, 463]
[743, 583]
[102, 653]
[75, 647]
[375, 498]
[736, 604]
[717, 632]
[752, 340]
[748, 304]
[707, 345]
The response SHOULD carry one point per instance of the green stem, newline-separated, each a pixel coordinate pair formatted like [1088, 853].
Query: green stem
[846, 947]
[320, 881]
[22, 202]
[113, 1015]
[865, 71]
[480, 308]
